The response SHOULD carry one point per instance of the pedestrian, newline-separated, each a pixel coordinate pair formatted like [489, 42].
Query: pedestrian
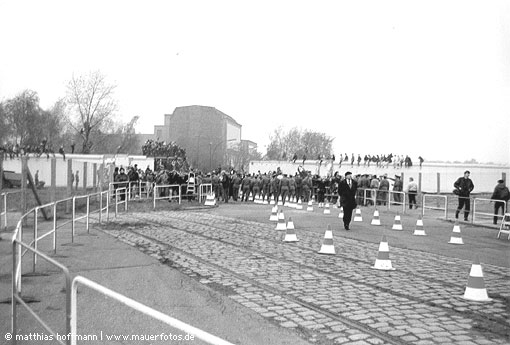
[347, 192]
[412, 190]
[77, 178]
[384, 186]
[501, 192]
[397, 187]
[463, 187]
[122, 182]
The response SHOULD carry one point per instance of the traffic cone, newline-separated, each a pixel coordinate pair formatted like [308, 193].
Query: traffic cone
[397, 224]
[357, 215]
[310, 206]
[299, 205]
[383, 261]
[272, 202]
[341, 214]
[326, 209]
[327, 246]
[290, 224]
[419, 231]
[475, 289]
[376, 220]
[210, 200]
[290, 233]
[281, 222]
[455, 237]
[274, 214]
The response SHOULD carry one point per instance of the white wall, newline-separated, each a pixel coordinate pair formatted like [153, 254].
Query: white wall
[484, 176]
[44, 166]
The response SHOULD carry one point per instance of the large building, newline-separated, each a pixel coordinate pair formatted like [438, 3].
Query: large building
[210, 137]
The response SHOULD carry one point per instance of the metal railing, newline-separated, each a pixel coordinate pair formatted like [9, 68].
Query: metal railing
[483, 212]
[3, 209]
[16, 287]
[401, 199]
[165, 189]
[170, 321]
[70, 290]
[438, 206]
[204, 189]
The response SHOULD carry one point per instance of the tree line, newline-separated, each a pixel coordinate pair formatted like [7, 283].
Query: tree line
[84, 120]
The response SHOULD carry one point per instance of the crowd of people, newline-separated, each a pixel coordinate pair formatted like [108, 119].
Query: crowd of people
[12, 151]
[383, 160]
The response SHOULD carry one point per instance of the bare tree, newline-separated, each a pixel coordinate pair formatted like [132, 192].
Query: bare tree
[295, 141]
[92, 105]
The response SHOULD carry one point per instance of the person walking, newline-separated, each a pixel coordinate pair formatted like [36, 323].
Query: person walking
[347, 192]
[463, 187]
[501, 192]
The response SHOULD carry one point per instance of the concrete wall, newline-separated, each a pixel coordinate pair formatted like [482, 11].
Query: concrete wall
[83, 163]
[484, 176]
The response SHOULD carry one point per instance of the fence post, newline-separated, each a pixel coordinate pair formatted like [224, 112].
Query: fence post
[419, 182]
[94, 176]
[1, 171]
[54, 227]
[85, 173]
[53, 188]
[438, 183]
[34, 255]
[24, 169]
[69, 184]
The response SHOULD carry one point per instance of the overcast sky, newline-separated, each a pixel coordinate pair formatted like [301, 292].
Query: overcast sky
[429, 78]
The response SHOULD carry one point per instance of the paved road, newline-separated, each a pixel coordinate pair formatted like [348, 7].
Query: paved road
[339, 299]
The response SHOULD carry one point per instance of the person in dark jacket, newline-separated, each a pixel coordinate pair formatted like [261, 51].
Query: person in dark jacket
[501, 192]
[122, 180]
[464, 187]
[347, 192]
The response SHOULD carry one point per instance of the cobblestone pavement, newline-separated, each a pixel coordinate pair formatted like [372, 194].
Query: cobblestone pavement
[337, 299]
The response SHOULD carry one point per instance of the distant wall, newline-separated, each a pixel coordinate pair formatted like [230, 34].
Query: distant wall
[79, 162]
[484, 176]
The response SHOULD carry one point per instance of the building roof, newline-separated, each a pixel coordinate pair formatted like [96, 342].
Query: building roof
[207, 108]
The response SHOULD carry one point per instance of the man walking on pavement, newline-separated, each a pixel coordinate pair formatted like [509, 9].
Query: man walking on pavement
[347, 193]
[464, 186]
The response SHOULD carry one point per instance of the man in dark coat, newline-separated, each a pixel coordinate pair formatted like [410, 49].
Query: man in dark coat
[347, 191]
[501, 192]
[464, 186]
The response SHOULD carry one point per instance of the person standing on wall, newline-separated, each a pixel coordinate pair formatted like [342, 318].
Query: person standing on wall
[463, 188]
[347, 192]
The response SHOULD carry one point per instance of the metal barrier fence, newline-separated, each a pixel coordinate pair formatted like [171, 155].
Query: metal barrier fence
[481, 209]
[165, 189]
[426, 206]
[399, 198]
[71, 308]
[3, 209]
[170, 321]
[204, 189]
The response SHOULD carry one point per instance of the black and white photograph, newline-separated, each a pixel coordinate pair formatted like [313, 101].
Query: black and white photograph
[255, 172]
